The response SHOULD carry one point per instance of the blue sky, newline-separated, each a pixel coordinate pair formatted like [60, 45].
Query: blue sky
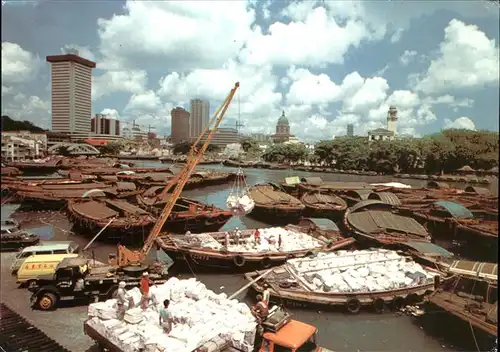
[325, 63]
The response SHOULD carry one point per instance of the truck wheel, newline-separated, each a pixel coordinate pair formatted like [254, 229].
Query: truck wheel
[47, 301]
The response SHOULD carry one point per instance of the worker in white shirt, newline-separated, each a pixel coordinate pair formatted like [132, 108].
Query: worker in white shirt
[122, 302]
[237, 235]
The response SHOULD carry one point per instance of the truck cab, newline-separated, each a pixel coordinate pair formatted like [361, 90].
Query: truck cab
[73, 279]
[283, 334]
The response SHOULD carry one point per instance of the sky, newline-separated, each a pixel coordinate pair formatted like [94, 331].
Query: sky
[326, 64]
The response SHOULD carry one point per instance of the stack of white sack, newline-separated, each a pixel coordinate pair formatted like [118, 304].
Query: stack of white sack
[359, 271]
[243, 204]
[103, 310]
[269, 242]
[200, 316]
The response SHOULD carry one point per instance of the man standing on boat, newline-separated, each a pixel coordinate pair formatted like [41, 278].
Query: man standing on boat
[257, 237]
[226, 241]
[145, 284]
[279, 242]
[237, 235]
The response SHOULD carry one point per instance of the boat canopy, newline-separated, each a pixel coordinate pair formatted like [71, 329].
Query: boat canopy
[456, 210]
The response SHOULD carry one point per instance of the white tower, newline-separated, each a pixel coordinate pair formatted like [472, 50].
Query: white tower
[392, 118]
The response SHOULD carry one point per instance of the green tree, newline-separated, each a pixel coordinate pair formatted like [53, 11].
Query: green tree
[112, 148]
[286, 153]
[181, 148]
[248, 144]
[212, 148]
[382, 157]
[63, 150]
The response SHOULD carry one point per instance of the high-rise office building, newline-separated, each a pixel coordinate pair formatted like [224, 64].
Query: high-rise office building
[350, 130]
[180, 125]
[71, 93]
[200, 115]
[102, 124]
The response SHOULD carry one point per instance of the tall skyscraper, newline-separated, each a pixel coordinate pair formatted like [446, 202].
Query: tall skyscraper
[350, 130]
[200, 115]
[71, 93]
[180, 125]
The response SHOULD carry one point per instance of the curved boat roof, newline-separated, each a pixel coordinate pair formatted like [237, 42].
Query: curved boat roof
[456, 210]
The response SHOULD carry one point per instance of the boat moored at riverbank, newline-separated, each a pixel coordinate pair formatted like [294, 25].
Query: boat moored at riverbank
[274, 206]
[272, 246]
[187, 214]
[374, 278]
[373, 222]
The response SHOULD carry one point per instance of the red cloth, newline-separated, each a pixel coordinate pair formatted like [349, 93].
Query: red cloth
[257, 234]
[145, 285]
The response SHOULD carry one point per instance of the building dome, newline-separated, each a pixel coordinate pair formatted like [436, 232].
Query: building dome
[283, 120]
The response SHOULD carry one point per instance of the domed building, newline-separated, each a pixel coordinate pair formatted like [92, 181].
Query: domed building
[282, 130]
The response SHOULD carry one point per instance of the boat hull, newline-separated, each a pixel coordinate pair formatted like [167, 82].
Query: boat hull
[278, 216]
[312, 300]
[238, 262]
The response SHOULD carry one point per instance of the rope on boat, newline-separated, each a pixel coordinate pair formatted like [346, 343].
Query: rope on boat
[98, 234]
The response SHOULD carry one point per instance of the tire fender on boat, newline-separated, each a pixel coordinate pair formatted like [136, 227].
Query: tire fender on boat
[221, 218]
[398, 302]
[210, 220]
[378, 305]
[239, 261]
[412, 298]
[353, 305]
[266, 262]
[309, 254]
[198, 218]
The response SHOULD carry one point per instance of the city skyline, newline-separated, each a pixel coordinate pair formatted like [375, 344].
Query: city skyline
[388, 60]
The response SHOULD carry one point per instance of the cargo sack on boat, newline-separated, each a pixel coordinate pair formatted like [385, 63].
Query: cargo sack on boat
[238, 201]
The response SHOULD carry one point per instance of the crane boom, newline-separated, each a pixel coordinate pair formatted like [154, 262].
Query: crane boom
[128, 257]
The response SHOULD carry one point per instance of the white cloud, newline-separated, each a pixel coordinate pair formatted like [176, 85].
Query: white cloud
[460, 123]
[308, 88]
[450, 101]
[111, 113]
[407, 57]
[18, 65]
[6, 90]
[292, 43]
[382, 71]
[186, 34]
[362, 94]
[144, 102]
[396, 37]
[467, 58]
[131, 81]
[31, 108]
[257, 94]
[83, 51]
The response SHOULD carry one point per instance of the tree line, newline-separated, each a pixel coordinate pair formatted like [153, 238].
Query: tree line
[442, 152]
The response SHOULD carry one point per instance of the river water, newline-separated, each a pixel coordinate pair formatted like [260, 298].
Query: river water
[339, 332]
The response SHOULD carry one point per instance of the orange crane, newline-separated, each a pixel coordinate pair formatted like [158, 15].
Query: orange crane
[127, 257]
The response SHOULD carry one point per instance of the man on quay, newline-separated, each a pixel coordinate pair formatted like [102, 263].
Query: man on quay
[145, 284]
[122, 302]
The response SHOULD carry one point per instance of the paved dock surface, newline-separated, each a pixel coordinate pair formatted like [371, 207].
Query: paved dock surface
[337, 331]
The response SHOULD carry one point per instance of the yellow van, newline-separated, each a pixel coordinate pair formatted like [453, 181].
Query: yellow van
[39, 265]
